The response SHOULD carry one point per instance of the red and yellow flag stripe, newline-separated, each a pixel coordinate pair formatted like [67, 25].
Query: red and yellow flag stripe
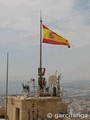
[51, 37]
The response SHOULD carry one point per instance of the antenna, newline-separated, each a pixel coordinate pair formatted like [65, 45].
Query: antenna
[59, 78]
[56, 72]
[33, 80]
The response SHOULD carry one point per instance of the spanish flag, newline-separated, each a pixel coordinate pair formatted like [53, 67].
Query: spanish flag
[51, 37]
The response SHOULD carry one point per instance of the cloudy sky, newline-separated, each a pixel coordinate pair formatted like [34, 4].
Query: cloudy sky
[20, 34]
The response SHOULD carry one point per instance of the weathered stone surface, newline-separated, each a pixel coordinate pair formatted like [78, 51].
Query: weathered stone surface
[21, 108]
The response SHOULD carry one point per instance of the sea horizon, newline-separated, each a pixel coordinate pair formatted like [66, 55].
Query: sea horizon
[15, 86]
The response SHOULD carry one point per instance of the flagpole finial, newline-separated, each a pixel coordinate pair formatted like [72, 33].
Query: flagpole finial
[40, 16]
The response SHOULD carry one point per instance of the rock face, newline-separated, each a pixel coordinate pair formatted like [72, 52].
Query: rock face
[2, 112]
[25, 108]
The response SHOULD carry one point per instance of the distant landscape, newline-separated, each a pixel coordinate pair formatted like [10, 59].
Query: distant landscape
[79, 89]
[71, 89]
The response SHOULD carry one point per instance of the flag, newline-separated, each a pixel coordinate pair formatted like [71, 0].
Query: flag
[51, 37]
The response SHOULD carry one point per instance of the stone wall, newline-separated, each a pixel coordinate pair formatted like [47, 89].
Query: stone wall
[21, 108]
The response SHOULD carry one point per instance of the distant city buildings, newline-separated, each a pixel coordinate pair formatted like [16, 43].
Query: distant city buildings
[79, 106]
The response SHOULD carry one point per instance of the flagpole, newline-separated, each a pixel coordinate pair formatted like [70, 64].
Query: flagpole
[40, 40]
[6, 117]
[40, 67]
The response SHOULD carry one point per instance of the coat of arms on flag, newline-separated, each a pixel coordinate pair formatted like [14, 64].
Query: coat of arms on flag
[53, 38]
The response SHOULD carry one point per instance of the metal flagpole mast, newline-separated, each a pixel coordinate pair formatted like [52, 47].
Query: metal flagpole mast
[7, 86]
[40, 40]
[40, 69]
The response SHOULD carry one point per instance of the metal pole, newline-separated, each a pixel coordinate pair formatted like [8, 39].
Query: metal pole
[40, 52]
[59, 78]
[34, 86]
[7, 86]
[40, 41]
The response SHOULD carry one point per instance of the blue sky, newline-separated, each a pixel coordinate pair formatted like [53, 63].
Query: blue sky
[20, 33]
